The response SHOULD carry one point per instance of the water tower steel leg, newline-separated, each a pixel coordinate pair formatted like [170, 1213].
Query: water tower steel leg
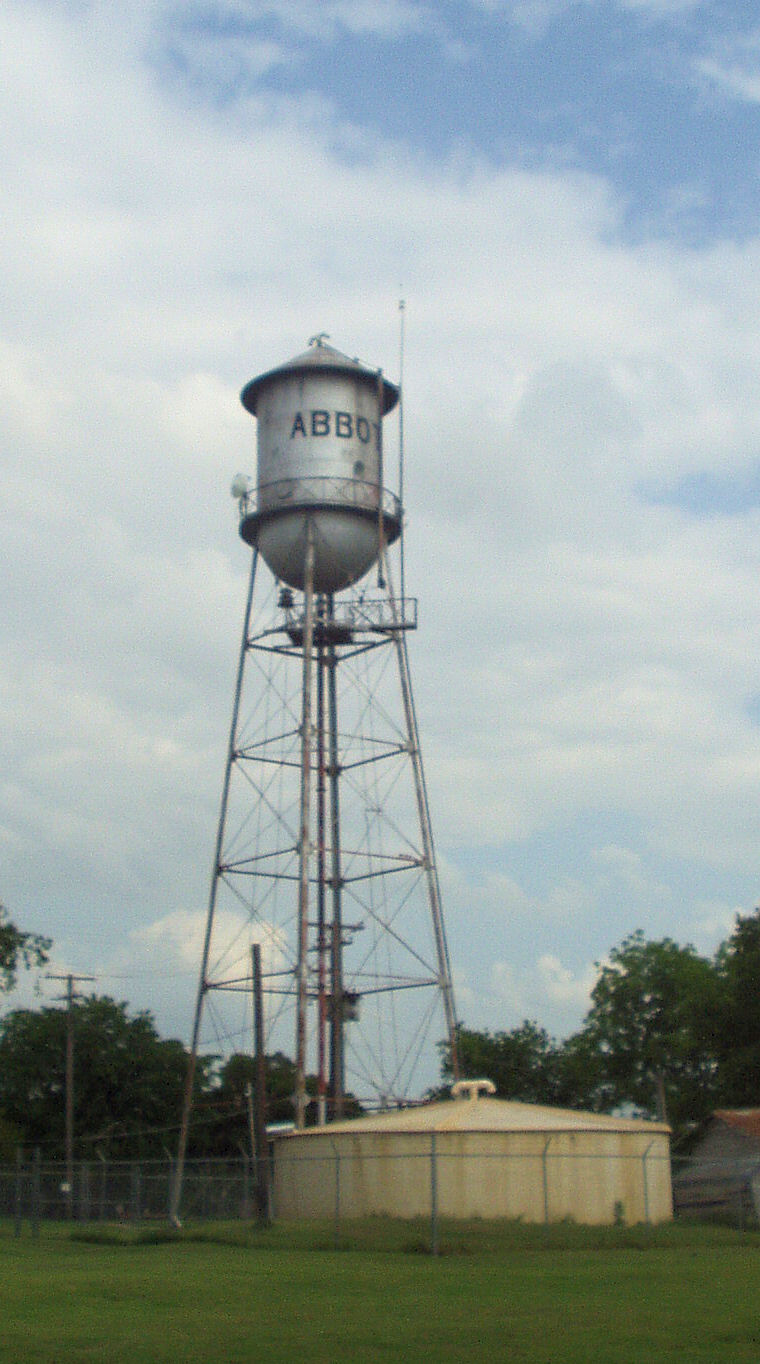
[431, 871]
[304, 841]
[260, 1126]
[321, 875]
[337, 1023]
[202, 983]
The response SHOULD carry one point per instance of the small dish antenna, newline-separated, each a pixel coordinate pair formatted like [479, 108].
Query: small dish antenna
[239, 486]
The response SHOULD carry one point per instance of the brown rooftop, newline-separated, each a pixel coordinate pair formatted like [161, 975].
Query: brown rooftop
[743, 1120]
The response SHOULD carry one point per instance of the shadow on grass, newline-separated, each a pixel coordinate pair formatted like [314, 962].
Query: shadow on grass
[396, 1236]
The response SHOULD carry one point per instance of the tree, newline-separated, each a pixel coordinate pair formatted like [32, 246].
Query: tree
[665, 1025]
[652, 1031]
[18, 951]
[221, 1119]
[524, 1064]
[240, 1070]
[738, 1014]
[128, 1082]
[652, 1027]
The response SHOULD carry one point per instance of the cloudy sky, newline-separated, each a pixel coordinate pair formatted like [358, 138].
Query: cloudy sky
[566, 194]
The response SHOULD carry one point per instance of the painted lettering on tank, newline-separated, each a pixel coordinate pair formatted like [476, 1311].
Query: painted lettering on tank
[344, 425]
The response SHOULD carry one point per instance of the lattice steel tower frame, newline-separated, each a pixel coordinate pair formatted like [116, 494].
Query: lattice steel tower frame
[324, 851]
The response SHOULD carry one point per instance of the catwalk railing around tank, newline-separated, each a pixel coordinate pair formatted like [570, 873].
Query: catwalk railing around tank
[319, 491]
[349, 616]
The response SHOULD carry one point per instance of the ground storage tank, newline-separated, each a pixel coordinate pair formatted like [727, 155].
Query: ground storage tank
[487, 1158]
[320, 462]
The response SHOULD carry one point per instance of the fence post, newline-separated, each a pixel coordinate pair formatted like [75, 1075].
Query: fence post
[169, 1182]
[36, 1192]
[433, 1197]
[18, 1193]
[336, 1214]
[545, 1173]
[135, 1200]
[84, 1200]
[646, 1180]
[246, 1200]
[103, 1183]
[270, 1182]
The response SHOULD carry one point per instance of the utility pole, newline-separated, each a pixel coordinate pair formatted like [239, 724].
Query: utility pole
[69, 997]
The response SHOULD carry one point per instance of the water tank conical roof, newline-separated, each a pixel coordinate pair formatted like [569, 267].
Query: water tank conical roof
[318, 358]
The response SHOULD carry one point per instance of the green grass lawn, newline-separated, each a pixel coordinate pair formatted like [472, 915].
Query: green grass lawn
[497, 1292]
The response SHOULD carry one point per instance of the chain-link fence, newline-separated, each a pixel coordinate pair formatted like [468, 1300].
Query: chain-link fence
[125, 1191]
[717, 1190]
[34, 1191]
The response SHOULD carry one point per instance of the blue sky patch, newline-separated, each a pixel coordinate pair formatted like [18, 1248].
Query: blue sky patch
[711, 493]
[615, 92]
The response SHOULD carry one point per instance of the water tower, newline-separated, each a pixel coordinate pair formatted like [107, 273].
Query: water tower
[324, 852]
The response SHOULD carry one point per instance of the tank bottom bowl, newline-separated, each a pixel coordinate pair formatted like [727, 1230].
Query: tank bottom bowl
[346, 543]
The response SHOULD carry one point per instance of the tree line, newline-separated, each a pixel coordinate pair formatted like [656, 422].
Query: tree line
[669, 1033]
[128, 1087]
[129, 1082]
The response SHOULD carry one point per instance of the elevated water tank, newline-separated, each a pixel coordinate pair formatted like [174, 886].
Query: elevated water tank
[320, 462]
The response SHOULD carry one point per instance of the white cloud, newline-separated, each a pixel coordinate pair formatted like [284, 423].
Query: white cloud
[535, 16]
[732, 64]
[562, 987]
[741, 79]
[389, 18]
[545, 991]
[662, 9]
[580, 650]
[384, 17]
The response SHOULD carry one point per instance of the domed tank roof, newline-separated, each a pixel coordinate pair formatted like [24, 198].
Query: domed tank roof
[324, 359]
[480, 1114]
